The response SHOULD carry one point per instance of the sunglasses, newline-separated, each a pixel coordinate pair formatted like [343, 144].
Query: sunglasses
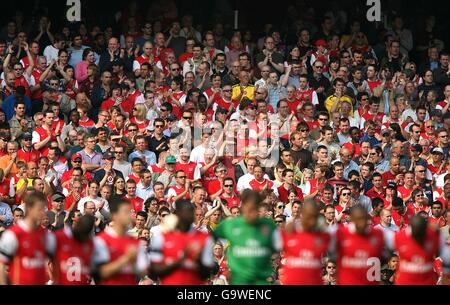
[187, 117]
[176, 69]
[345, 194]
[228, 185]
[159, 126]
[304, 130]
[76, 161]
[280, 207]
[132, 130]
[279, 221]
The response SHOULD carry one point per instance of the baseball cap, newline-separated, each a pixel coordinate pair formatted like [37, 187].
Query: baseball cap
[75, 156]
[58, 196]
[368, 55]
[437, 150]
[118, 62]
[107, 155]
[321, 42]
[27, 136]
[171, 160]
[385, 131]
[416, 147]
[171, 117]
[391, 185]
[115, 135]
[436, 112]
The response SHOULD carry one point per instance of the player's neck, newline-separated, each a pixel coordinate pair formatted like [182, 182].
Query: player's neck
[30, 223]
[120, 230]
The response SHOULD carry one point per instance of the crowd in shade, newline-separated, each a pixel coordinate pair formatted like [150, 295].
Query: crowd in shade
[158, 150]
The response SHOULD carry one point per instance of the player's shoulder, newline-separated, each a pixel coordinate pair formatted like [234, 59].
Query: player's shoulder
[267, 222]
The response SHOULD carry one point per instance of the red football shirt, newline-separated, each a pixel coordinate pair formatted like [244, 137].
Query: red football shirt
[354, 252]
[303, 252]
[416, 261]
[168, 247]
[72, 260]
[25, 250]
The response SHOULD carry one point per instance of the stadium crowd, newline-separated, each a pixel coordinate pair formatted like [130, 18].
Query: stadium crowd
[241, 159]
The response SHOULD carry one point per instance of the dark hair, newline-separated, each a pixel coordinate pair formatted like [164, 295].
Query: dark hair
[250, 196]
[116, 203]
[377, 201]
[86, 53]
[143, 214]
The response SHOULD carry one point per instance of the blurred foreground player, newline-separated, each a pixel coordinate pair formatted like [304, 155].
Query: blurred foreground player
[417, 247]
[120, 258]
[74, 251]
[182, 255]
[358, 248]
[26, 246]
[303, 247]
[253, 240]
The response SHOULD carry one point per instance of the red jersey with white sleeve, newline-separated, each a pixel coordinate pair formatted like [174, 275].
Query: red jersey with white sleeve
[109, 247]
[142, 59]
[187, 168]
[233, 201]
[308, 95]
[137, 203]
[416, 261]
[40, 134]
[28, 156]
[73, 259]
[26, 250]
[283, 193]
[260, 186]
[303, 252]
[354, 252]
[402, 220]
[168, 247]
[174, 191]
[405, 192]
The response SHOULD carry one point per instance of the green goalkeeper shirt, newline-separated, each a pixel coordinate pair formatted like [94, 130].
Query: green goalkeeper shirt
[251, 248]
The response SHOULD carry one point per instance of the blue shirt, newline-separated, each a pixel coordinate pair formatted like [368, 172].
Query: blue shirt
[274, 96]
[8, 106]
[5, 210]
[77, 55]
[150, 157]
[372, 140]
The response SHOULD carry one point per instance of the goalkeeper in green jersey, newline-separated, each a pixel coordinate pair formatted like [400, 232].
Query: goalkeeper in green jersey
[252, 241]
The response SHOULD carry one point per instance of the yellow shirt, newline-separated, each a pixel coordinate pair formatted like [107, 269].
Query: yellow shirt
[21, 182]
[249, 92]
[332, 98]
